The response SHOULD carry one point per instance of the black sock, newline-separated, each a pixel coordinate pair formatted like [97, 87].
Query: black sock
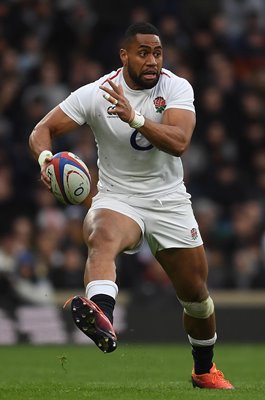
[202, 356]
[106, 303]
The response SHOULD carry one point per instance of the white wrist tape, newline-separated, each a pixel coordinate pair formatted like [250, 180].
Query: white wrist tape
[138, 120]
[43, 155]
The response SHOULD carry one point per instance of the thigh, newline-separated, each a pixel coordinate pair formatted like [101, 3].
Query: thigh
[187, 269]
[110, 232]
[118, 204]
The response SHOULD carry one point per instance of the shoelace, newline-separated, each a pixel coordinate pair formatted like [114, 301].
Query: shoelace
[216, 375]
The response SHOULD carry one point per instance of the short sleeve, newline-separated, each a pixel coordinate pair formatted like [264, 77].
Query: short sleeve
[181, 95]
[77, 106]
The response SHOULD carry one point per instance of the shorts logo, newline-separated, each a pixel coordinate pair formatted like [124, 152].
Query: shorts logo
[194, 233]
[160, 104]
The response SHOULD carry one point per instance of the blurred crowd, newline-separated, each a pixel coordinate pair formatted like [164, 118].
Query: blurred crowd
[49, 48]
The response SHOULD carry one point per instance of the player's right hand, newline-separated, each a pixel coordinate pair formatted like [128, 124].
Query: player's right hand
[44, 177]
[44, 158]
[121, 105]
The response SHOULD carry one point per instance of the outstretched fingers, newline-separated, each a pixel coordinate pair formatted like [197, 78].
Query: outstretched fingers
[115, 96]
[117, 88]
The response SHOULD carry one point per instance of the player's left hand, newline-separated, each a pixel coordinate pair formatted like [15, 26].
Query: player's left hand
[121, 105]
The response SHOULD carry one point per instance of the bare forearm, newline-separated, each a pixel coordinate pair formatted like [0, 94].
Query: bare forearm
[39, 140]
[170, 139]
[55, 123]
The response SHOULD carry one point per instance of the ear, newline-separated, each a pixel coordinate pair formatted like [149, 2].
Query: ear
[123, 56]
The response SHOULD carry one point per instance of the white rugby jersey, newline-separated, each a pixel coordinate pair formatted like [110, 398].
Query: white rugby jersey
[128, 163]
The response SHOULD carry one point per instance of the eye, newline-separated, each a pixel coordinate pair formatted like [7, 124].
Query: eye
[143, 53]
[157, 54]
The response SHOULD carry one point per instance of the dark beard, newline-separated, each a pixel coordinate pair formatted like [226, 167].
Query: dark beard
[140, 82]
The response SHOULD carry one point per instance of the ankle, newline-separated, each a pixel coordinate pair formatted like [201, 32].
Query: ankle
[203, 357]
[106, 303]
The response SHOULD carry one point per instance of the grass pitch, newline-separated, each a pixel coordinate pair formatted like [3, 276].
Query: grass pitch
[142, 372]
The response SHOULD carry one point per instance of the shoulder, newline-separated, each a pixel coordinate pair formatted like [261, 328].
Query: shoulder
[177, 91]
[171, 80]
[113, 76]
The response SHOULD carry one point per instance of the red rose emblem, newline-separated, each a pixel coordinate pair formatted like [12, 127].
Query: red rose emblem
[160, 104]
[194, 233]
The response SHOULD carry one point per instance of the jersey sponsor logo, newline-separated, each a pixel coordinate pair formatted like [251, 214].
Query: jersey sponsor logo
[160, 104]
[111, 115]
[139, 142]
[194, 233]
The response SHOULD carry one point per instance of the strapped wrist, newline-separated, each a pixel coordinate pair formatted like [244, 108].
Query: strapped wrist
[43, 155]
[138, 120]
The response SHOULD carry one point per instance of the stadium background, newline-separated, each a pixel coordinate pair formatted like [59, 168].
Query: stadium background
[50, 48]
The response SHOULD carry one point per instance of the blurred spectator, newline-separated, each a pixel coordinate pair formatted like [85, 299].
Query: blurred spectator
[8, 297]
[140, 14]
[154, 276]
[235, 12]
[7, 196]
[49, 87]
[225, 187]
[220, 147]
[73, 231]
[30, 55]
[84, 71]
[23, 234]
[7, 255]
[246, 266]
[31, 287]
[70, 274]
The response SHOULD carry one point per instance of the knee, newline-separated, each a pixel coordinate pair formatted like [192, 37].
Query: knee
[99, 237]
[194, 290]
[201, 309]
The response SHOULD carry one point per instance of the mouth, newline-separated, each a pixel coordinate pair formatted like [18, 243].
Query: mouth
[150, 75]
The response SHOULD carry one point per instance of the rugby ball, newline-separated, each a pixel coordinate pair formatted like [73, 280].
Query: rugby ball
[70, 178]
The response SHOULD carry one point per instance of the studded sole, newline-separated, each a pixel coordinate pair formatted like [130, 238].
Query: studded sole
[85, 318]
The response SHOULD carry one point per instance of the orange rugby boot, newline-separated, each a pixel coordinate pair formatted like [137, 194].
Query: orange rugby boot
[212, 380]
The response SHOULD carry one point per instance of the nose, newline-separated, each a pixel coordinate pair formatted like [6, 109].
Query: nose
[151, 60]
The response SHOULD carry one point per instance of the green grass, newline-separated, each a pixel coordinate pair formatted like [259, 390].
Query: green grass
[132, 372]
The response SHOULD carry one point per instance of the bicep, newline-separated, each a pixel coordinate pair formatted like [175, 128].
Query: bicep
[183, 119]
[58, 122]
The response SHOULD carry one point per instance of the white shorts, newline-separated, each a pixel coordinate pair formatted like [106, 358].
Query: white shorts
[165, 223]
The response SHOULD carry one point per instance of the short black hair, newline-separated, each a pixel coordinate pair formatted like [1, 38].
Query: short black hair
[139, 27]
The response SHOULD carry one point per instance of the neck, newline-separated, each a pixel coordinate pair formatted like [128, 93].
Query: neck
[129, 81]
